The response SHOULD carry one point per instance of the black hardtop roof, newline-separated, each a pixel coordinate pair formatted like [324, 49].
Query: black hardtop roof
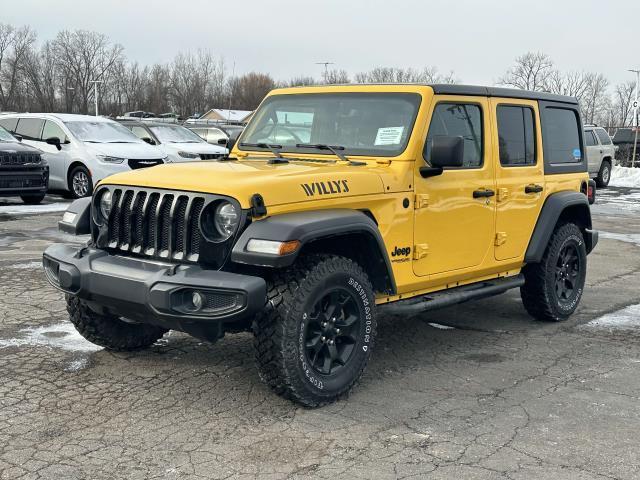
[149, 124]
[479, 91]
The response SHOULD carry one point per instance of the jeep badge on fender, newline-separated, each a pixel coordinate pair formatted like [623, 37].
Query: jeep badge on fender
[276, 239]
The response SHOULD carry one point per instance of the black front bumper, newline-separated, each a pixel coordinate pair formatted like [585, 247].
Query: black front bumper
[24, 180]
[152, 292]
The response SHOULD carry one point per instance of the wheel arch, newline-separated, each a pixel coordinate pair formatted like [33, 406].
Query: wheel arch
[350, 233]
[560, 207]
[72, 166]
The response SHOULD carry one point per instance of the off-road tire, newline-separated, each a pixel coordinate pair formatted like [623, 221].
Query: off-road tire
[109, 331]
[539, 290]
[604, 174]
[280, 330]
[32, 199]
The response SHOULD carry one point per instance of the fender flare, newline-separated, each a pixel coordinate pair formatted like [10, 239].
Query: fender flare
[307, 227]
[551, 211]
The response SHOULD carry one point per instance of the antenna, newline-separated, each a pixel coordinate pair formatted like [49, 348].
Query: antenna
[326, 69]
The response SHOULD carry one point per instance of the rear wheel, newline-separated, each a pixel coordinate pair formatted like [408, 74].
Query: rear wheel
[604, 175]
[80, 183]
[32, 199]
[109, 331]
[553, 288]
[315, 336]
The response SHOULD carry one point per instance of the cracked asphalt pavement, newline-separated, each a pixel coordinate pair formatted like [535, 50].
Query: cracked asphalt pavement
[477, 391]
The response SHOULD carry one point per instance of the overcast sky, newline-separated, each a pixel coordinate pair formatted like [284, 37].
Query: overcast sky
[478, 40]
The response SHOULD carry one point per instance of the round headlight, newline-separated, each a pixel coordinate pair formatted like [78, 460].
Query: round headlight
[105, 204]
[226, 219]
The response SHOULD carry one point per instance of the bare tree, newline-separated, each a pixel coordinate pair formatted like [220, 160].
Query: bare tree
[85, 56]
[531, 71]
[41, 79]
[593, 102]
[246, 92]
[15, 46]
[336, 77]
[404, 75]
[623, 97]
[300, 82]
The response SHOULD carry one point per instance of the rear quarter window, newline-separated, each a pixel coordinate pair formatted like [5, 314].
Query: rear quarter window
[9, 123]
[604, 137]
[562, 136]
[30, 128]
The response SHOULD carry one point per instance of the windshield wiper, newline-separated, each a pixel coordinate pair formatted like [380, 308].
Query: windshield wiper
[335, 149]
[272, 147]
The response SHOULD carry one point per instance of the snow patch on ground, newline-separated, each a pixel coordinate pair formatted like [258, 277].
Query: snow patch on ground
[625, 177]
[27, 266]
[18, 209]
[626, 319]
[441, 327]
[63, 336]
[623, 237]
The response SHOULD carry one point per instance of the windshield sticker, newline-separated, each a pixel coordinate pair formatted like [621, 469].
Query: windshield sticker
[577, 155]
[389, 136]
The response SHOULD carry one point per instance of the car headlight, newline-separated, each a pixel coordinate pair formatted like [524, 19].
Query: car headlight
[105, 204]
[226, 219]
[110, 159]
[188, 155]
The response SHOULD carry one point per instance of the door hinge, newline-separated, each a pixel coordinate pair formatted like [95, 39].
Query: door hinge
[503, 194]
[501, 238]
[420, 250]
[421, 201]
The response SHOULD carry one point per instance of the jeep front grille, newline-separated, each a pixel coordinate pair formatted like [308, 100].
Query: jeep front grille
[10, 159]
[156, 223]
[210, 156]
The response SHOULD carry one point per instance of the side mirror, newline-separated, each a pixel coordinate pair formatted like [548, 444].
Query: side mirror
[17, 137]
[233, 138]
[445, 152]
[150, 141]
[223, 141]
[54, 141]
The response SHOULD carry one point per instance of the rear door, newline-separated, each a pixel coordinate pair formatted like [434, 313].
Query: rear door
[519, 174]
[59, 160]
[594, 151]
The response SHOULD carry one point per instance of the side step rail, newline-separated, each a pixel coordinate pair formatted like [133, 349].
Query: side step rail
[453, 296]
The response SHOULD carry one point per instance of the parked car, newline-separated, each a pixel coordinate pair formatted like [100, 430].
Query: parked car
[216, 134]
[139, 114]
[178, 143]
[623, 140]
[81, 149]
[600, 154]
[23, 171]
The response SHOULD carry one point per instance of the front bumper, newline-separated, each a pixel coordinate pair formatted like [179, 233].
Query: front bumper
[152, 292]
[24, 180]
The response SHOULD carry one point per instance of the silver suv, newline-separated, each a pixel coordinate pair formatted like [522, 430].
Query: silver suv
[600, 154]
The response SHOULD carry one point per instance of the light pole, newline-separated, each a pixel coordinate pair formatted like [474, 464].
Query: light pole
[635, 118]
[326, 70]
[95, 93]
[70, 91]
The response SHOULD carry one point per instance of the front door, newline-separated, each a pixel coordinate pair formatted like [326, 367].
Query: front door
[455, 211]
[59, 160]
[519, 174]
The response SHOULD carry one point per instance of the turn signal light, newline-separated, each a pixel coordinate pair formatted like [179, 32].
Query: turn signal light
[272, 247]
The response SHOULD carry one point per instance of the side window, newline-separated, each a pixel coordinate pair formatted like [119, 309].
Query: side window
[516, 135]
[140, 132]
[458, 119]
[562, 136]
[604, 137]
[9, 123]
[589, 139]
[53, 130]
[30, 128]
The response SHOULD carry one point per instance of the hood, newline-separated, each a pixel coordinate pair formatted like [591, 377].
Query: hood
[17, 147]
[278, 183]
[138, 151]
[201, 147]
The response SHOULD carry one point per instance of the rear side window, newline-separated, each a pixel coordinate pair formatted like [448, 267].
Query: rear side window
[604, 137]
[562, 136]
[516, 135]
[458, 119]
[30, 128]
[589, 139]
[9, 123]
[52, 130]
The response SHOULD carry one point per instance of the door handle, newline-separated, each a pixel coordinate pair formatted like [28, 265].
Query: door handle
[484, 193]
[533, 189]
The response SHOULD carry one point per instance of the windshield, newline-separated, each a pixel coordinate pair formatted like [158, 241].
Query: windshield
[101, 132]
[6, 136]
[376, 124]
[175, 134]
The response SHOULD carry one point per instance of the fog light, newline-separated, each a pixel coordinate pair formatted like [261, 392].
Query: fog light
[197, 300]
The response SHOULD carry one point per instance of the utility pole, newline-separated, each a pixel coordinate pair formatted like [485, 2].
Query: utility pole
[95, 93]
[326, 69]
[635, 117]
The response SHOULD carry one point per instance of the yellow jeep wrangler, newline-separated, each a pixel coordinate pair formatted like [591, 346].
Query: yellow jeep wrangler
[337, 204]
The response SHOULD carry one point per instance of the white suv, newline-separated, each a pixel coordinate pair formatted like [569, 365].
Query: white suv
[600, 154]
[81, 149]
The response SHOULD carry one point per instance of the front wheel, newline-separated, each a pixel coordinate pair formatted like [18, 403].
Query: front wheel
[553, 288]
[315, 337]
[32, 199]
[80, 183]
